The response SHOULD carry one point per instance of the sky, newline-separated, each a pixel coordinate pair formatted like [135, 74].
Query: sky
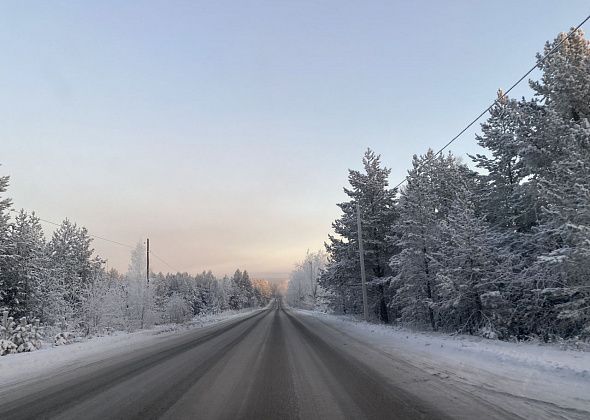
[224, 130]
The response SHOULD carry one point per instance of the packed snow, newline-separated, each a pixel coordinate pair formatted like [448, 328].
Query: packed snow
[500, 372]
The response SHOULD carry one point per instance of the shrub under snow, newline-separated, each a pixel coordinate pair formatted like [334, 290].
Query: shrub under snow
[19, 337]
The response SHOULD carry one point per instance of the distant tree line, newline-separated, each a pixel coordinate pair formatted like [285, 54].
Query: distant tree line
[303, 288]
[502, 250]
[64, 284]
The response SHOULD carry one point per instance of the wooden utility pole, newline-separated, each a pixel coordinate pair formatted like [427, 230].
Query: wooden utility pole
[362, 258]
[147, 276]
[147, 259]
[311, 279]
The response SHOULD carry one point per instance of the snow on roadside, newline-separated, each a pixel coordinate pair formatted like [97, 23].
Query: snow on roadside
[23, 367]
[493, 368]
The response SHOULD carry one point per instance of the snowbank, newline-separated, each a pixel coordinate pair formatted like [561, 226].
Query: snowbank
[490, 368]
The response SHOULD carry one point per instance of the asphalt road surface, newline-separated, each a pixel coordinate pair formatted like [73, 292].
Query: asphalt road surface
[273, 364]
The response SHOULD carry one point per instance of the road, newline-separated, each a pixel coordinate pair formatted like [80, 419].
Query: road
[273, 364]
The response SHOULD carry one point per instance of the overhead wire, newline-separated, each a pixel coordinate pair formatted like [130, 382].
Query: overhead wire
[164, 261]
[485, 111]
[442, 149]
[102, 238]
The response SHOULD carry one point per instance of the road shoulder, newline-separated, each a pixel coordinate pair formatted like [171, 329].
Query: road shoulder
[519, 379]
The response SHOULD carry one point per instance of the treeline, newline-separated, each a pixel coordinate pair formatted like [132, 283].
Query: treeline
[66, 286]
[303, 289]
[502, 250]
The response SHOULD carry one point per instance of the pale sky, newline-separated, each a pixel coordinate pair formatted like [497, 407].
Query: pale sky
[223, 130]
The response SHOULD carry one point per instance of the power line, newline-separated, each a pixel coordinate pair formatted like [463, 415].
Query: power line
[102, 238]
[163, 261]
[485, 111]
[540, 61]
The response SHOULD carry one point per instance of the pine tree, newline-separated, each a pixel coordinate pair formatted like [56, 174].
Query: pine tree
[6, 246]
[472, 277]
[556, 288]
[500, 182]
[425, 201]
[561, 273]
[202, 293]
[377, 203]
[545, 142]
[28, 269]
[262, 292]
[241, 290]
[218, 298]
[341, 278]
[73, 264]
[565, 84]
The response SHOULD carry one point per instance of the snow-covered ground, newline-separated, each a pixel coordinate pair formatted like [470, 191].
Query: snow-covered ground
[500, 372]
[22, 367]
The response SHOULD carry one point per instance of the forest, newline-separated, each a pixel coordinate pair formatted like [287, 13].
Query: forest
[60, 288]
[499, 247]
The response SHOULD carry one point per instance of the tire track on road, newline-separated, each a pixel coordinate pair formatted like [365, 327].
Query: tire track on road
[272, 396]
[51, 402]
[373, 394]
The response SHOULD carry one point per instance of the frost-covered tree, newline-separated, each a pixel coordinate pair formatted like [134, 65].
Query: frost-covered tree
[565, 83]
[554, 145]
[206, 294]
[370, 189]
[98, 300]
[262, 291]
[5, 244]
[502, 174]
[202, 293]
[28, 268]
[227, 286]
[425, 201]
[113, 297]
[141, 303]
[560, 276]
[177, 310]
[218, 297]
[303, 289]
[547, 145]
[472, 278]
[66, 286]
[73, 264]
[241, 293]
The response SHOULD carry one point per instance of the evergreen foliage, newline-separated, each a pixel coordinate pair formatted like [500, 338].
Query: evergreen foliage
[65, 286]
[503, 252]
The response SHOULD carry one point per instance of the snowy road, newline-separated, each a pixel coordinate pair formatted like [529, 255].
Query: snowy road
[271, 364]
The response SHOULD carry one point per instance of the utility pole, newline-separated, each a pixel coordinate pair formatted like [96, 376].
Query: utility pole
[311, 279]
[362, 258]
[147, 276]
[147, 259]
